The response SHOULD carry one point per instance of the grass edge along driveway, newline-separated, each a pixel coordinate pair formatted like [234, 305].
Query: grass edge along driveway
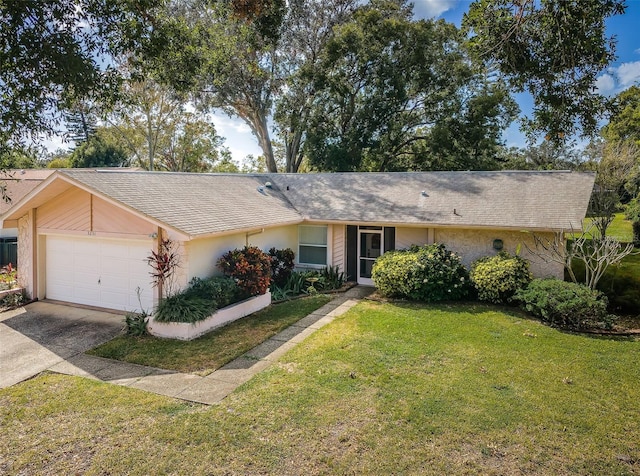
[385, 388]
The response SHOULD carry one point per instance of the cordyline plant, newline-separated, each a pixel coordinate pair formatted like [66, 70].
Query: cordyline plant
[164, 263]
[597, 252]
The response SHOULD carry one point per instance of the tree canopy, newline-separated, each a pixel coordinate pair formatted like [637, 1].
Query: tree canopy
[53, 52]
[554, 49]
[399, 94]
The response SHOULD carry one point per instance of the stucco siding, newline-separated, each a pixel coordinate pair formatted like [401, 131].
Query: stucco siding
[405, 237]
[474, 244]
[200, 256]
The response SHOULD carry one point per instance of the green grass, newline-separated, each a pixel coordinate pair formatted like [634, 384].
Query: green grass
[384, 389]
[213, 350]
[620, 229]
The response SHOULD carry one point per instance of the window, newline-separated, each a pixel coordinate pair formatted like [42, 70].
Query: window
[312, 244]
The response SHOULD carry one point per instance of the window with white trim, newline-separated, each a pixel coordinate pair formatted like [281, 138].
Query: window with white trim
[312, 244]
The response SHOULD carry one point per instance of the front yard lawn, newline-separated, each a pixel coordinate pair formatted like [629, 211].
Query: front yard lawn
[384, 389]
[213, 350]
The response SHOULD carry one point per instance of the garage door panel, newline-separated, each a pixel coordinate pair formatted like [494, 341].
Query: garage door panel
[98, 272]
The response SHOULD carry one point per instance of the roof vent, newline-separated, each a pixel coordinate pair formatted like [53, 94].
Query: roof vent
[424, 193]
[260, 189]
[268, 185]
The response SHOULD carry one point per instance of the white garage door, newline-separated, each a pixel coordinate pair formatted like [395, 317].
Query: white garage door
[99, 272]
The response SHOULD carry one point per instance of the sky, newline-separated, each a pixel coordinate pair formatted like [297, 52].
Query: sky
[622, 74]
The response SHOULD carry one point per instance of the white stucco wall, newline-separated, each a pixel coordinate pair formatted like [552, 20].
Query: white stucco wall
[474, 244]
[200, 256]
[405, 237]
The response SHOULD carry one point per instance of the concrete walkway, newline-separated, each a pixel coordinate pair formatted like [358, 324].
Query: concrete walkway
[217, 385]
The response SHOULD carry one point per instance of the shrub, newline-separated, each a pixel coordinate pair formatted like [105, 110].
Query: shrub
[222, 290]
[183, 307]
[424, 273]
[632, 210]
[636, 232]
[249, 267]
[282, 263]
[564, 304]
[498, 277]
[331, 277]
[136, 323]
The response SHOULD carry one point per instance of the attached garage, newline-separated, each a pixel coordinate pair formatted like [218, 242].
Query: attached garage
[99, 272]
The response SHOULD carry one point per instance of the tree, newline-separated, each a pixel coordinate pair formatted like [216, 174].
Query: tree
[554, 49]
[546, 155]
[153, 124]
[398, 94]
[624, 123]
[51, 55]
[596, 252]
[617, 167]
[99, 151]
[247, 64]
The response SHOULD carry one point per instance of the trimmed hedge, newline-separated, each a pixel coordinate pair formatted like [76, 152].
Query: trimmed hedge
[497, 278]
[422, 273]
[564, 304]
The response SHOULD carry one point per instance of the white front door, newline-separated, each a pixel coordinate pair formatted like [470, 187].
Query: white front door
[370, 241]
[99, 272]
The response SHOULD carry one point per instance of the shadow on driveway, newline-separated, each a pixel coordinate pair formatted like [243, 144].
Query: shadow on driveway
[47, 336]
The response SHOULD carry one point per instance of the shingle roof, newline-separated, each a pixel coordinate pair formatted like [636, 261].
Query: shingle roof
[505, 199]
[204, 204]
[195, 204]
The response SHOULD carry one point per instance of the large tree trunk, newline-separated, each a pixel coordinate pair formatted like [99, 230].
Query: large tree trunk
[262, 132]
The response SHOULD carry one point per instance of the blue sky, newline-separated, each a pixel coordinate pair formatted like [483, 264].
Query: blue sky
[622, 74]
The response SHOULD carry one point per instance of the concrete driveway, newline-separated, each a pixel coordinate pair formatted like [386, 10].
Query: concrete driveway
[40, 335]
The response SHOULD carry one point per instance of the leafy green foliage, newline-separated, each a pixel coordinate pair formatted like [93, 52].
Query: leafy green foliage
[497, 278]
[249, 267]
[632, 210]
[332, 277]
[222, 290]
[136, 323]
[398, 94]
[624, 124]
[282, 264]
[183, 307]
[99, 151]
[564, 304]
[50, 56]
[422, 273]
[636, 232]
[554, 50]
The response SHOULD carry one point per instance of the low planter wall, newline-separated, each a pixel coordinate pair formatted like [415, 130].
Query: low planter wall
[187, 331]
[6, 292]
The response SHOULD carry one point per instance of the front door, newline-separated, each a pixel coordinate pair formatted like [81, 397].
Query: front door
[369, 249]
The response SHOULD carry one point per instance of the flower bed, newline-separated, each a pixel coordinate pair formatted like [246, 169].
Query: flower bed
[190, 331]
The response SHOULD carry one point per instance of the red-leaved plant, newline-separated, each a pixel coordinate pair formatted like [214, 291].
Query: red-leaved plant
[163, 264]
[249, 267]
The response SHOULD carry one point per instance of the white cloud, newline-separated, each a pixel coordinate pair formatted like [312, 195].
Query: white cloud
[628, 73]
[605, 84]
[432, 8]
[226, 125]
[637, 51]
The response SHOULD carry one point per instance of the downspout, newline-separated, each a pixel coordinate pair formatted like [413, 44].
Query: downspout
[247, 235]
